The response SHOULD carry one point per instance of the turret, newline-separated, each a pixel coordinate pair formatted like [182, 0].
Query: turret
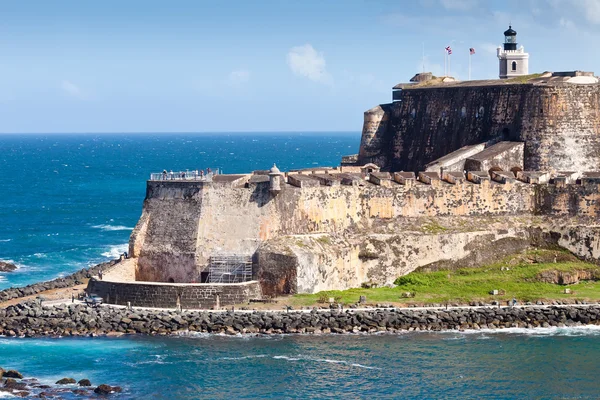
[275, 178]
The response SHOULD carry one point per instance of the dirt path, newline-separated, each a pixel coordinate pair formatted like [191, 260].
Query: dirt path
[54, 294]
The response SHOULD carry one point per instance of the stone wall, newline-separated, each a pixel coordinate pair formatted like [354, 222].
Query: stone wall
[180, 229]
[559, 124]
[164, 295]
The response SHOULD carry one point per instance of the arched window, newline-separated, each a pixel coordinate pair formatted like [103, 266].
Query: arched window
[514, 65]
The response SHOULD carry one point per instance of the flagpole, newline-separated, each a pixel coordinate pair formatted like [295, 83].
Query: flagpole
[445, 65]
[449, 64]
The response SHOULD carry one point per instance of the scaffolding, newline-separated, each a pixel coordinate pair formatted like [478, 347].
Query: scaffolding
[229, 269]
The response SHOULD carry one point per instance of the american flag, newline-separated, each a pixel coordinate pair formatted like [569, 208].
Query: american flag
[471, 51]
[449, 50]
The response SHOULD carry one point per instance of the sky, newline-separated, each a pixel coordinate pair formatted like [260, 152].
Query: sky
[209, 66]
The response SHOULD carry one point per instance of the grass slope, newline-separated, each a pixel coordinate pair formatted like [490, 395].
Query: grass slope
[518, 276]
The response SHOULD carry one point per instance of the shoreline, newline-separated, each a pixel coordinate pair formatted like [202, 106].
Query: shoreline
[32, 320]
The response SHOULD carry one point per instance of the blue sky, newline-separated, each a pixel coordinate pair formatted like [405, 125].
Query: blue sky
[209, 66]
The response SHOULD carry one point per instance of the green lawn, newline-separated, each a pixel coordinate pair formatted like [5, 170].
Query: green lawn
[518, 276]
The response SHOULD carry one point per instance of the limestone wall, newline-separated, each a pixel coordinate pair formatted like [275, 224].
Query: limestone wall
[560, 125]
[313, 263]
[181, 228]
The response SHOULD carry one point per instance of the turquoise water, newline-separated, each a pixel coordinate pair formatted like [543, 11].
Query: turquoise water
[71, 200]
[546, 364]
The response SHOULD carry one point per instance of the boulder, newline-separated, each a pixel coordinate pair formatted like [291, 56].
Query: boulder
[14, 385]
[11, 373]
[107, 389]
[84, 382]
[7, 267]
[66, 381]
[1, 372]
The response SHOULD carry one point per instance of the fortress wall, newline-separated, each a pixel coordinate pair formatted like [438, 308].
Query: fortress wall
[181, 228]
[374, 140]
[560, 125]
[164, 295]
[562, 128]
[166, 233]
[568, 200]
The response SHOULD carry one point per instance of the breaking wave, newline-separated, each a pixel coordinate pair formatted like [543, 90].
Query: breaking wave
[109, 228]
[116, 250]
[323, 360]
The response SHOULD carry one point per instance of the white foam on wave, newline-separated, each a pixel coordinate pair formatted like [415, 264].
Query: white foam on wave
[323, 360]
[116, 250]
[580, 330]
[244, 357]
[6, 395]
[5, 240]
[110, 228]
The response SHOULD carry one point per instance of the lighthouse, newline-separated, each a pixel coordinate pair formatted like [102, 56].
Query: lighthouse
[513, 61]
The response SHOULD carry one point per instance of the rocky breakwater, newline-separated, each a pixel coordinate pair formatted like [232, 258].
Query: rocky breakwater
[30, 319]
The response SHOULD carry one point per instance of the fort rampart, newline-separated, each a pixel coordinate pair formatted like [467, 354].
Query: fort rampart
[559, 123]
[319, 236]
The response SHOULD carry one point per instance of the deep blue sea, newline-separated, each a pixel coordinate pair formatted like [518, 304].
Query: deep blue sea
[68, 201]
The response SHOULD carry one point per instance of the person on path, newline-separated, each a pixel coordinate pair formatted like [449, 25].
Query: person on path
[100, 274]
[514, 302]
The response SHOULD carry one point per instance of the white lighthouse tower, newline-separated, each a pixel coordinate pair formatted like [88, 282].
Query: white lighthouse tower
[513, 61]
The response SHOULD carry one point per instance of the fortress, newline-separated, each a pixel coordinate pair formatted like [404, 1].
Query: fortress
[449, 174]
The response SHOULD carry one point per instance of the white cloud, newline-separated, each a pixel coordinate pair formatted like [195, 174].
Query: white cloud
[305, 61]
[590, 8]
[71, 89]
[238, 77]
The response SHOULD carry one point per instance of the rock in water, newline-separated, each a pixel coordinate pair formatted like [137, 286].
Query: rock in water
[66, 381]
[1, 373]
[107, 389]
[7, 267]
[12, 374]
[84, 382]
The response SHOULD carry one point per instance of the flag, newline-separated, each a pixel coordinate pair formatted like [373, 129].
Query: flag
[471, 51]
[449, 50]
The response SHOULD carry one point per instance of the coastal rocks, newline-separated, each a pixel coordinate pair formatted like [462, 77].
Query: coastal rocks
[17, 386]
[107, 389]
[31, 320]
[66, 381]
[12, 374]
[7, 267]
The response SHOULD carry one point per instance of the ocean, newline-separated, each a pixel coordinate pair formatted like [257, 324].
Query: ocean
[69, 201]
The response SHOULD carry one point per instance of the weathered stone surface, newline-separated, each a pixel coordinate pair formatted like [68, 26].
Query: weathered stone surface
[66, 381]
[192, 296]
[558, 123]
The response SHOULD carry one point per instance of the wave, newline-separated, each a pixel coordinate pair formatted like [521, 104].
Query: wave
[579, 330]
[5, 240]
[323, 360]
[244, 357]
[116, 250]
[110, 228]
